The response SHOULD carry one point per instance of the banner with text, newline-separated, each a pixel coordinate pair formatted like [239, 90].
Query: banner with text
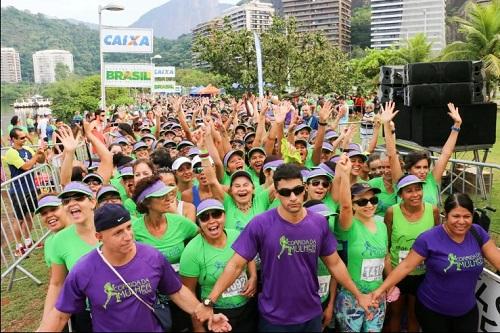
[166, 71]
[127, 40]
[128, 75]
[488, 301]
[167, 87]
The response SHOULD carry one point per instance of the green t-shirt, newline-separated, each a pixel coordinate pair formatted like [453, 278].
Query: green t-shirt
[404, 234]
[274, 204]
[385, 199]
[206, 262]
[309, 162]
[255, 178]
[324, 276]
[328, 201]
[172, 242]
[11, 127]
[131, 207]
[363, 253]
[116, 182]
[68, 248]
[236, 219]
[48, 247]
[226, 180]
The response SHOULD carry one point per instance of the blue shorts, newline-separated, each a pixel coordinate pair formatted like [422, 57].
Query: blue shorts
[351, 317]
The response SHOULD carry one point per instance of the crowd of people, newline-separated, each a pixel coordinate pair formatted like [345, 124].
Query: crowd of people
[251, 215]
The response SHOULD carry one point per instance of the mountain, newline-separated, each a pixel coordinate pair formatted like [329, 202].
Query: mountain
[178, 17]
[28, 33]
[92, 26]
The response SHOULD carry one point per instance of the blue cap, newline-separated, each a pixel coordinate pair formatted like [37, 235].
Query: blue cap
[110, 216]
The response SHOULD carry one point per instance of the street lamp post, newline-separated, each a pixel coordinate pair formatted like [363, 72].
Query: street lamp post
[156, 56]
[112, 7]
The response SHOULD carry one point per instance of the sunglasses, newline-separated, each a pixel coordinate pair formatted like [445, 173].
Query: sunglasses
[77, 198]
[205, 216]
[93, 182]
[198, 170]
[286, 192]
[315, 183]
[364, 202]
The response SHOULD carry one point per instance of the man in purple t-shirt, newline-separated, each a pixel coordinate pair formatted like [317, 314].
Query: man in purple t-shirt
[289, 240]
[113, 306]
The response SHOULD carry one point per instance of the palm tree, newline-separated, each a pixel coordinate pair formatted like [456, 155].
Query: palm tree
[481, 31]
[416, 49]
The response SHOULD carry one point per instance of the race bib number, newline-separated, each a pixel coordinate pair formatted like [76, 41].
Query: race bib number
[324, 285]
[237, 287]
[257, 261]
[176, 267]
[372, 269]
[402, 256]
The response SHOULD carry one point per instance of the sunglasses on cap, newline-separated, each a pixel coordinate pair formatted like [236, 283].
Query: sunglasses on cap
[77, 198]
[205, 216]
[286, 192]
[198, 170]
[323, 183]
[364, 202]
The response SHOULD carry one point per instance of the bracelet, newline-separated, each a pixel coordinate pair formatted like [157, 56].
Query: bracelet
[322, 124]
[203, 152]
[456, 129]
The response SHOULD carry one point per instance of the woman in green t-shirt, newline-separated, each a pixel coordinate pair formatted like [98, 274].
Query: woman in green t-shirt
[405, 222]
[203, 261]
[363, 245]
[168, 233]
[419, 163]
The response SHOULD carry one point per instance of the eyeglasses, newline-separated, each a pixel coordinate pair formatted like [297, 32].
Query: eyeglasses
[315, 183]
[77, 198]
[198, 170]
[286, 192]
[364, 202]
[205, 216]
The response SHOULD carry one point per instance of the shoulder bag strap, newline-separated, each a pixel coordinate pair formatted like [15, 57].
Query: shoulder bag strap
[474, 233]
[121, 278]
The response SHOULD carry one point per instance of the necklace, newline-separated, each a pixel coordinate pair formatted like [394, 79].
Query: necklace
[244, 208]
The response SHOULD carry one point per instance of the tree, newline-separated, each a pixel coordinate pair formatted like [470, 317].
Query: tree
[194, 77]
[481, 31]
[360, 26]
[62, 71]
[416, 49]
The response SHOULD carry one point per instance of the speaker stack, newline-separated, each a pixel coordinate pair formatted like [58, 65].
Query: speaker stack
[422, 95]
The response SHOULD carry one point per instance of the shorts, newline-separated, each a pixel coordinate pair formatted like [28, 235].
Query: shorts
[409, 285]
[351, 318]
[23, 203]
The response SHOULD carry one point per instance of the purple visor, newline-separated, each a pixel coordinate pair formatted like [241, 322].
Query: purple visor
[48, 201]
[156, 190]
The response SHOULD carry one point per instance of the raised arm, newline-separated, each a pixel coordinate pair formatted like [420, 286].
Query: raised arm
[69, 143]
[376, 130]
[105, 169]
[261, 124]
[182, 117]
[343, 169]
[386, 116]
[324, 114]
[449, 146]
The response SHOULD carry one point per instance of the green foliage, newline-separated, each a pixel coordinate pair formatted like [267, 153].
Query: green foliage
[12, 91]
[28, 33]
[416, 49]
[193, 77]
[361, 26]
[79, 94]
[308, 60]
[481, 30]
[62, 71]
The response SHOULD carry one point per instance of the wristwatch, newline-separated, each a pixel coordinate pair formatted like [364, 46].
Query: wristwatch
[208, 302]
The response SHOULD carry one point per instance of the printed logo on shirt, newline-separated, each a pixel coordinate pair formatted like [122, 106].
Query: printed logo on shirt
[121, 291]
[373, 251]
[465, 262]
[296, 246]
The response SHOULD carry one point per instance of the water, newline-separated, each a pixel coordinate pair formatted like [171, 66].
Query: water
[8, 111]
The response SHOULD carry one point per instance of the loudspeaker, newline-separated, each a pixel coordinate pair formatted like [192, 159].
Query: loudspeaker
[403, 122]
[391, 75]
[387, 93]
[431, 126]
[443, 93]
[444, 72]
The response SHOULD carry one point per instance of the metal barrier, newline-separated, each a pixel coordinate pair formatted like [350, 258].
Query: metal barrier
[18, 201]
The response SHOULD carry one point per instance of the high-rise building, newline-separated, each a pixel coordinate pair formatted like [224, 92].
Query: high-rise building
[45, 62]
[253, 16]
[395, 21]
[332, 17]
[11, 66]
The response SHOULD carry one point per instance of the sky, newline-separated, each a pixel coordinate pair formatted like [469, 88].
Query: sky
[86, 10]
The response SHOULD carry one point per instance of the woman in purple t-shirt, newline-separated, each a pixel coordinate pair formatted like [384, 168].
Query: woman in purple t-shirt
[453, 254]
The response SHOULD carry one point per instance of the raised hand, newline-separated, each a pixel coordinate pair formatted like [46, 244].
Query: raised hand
[454, 114]
[344, 165]
[387, 113]
[281, 111]
[325, 112]
[65, 135]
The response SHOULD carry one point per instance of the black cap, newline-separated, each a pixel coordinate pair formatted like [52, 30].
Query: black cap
[110, 216]
[360, 188]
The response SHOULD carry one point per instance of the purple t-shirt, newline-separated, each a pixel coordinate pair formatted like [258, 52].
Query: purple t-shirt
[289, 264]
[114, 308]
[452, 270]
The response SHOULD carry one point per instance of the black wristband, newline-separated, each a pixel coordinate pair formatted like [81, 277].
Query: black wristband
[322, 124]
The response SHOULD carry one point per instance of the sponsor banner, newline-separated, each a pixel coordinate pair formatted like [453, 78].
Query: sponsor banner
[178, 89]
[127, 40]
[164, 87]
[128, 75]
[488, 301]
[167, 71]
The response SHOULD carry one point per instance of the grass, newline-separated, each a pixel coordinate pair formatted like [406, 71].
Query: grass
[22, 307]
